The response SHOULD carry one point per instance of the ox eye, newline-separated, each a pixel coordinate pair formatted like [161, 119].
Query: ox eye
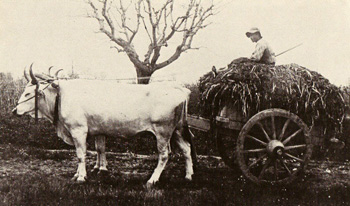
[27, 95]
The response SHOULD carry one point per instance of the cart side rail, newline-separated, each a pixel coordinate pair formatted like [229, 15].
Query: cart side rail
[203, 124]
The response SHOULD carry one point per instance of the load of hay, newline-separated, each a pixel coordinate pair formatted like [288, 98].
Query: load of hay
[254, 87]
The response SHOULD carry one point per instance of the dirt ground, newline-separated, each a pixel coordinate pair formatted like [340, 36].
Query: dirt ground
[324, 182]
[320, 174]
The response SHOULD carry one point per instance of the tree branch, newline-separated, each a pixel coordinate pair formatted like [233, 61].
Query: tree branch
[157, 40]
[195, 17]
[127, 46]
[107, 17]
[160, 26]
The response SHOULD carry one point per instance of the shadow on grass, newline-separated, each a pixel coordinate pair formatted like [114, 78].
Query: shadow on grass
[38, 189]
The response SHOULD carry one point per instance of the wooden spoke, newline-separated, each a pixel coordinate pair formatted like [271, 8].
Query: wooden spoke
[292, 136]
[293, 157]
[284, 129]
[294, 147]
[256, 139]
[264, 168]
[264, 131]
[256, 161]
[285, 166]
[273, 127]
[254, 150]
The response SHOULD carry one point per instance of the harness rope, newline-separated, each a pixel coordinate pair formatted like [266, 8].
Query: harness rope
[36, 107]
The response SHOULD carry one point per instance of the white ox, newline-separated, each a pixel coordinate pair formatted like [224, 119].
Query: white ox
[107, 108]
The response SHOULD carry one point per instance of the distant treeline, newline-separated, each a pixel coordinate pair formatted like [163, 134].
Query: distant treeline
[10, 91]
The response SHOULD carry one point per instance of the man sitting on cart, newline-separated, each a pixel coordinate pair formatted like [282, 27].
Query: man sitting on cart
[263, 52]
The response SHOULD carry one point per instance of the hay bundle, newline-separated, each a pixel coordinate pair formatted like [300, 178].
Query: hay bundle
[254, 87]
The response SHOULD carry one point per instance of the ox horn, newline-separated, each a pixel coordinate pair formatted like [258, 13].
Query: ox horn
[56, 74]
[25, 74]
[34, 80]
[50, 71]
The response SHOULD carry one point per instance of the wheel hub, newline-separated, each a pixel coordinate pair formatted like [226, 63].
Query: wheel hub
[275, 148]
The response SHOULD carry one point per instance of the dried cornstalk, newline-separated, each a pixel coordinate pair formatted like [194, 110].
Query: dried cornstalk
[255, 87]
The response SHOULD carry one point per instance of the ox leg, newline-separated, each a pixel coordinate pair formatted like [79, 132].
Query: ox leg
[98, 160]
[97, 165]
[185, 148]
[79, 138]
[101, 161]
[163, 150]
[101, 148]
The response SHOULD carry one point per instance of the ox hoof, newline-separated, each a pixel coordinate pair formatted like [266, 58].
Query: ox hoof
[188, 178]
[150, 185]
[81, 179]
[75, 177]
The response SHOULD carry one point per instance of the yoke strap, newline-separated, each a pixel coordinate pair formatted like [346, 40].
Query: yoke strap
[55, 114]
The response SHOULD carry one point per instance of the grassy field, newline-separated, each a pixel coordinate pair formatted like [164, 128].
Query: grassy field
[40, 177]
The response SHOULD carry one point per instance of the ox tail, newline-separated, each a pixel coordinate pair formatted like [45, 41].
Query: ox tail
[188, 135]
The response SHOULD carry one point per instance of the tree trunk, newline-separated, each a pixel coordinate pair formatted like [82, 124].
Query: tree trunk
[142, 76]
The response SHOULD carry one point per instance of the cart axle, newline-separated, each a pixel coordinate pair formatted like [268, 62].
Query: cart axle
[275, 148]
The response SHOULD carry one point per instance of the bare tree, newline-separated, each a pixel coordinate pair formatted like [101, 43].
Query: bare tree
[159, 25]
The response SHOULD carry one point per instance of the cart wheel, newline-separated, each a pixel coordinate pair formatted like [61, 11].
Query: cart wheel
[274, 146]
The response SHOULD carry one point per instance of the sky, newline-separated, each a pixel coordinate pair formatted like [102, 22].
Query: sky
[58, 33]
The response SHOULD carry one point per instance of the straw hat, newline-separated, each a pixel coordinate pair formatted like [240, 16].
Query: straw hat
[253, 30]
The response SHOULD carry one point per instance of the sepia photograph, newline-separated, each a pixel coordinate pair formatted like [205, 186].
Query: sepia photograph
[174, 102]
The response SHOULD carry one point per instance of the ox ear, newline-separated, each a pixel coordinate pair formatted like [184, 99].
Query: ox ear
[41, 93]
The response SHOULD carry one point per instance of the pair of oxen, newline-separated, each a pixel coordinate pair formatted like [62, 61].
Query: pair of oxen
[80, 108]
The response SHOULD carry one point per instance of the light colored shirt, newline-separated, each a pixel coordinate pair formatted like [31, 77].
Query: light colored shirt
[263, 53]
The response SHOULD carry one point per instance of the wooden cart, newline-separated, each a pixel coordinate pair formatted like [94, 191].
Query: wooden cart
[273, 146]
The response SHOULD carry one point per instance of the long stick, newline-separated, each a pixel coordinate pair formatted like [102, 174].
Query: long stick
[289, 49]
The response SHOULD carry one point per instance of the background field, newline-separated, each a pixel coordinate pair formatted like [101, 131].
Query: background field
[36, 167]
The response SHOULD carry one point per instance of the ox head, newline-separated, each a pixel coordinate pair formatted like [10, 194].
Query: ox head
[36, 92]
